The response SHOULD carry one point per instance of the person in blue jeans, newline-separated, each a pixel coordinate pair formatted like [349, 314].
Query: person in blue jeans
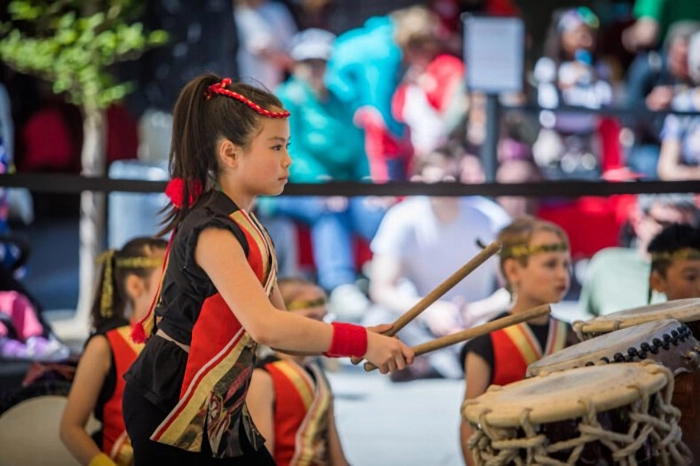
[325, 145]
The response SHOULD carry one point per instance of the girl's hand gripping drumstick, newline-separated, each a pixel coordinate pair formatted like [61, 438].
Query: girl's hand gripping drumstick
[478, 331]
[440, 290]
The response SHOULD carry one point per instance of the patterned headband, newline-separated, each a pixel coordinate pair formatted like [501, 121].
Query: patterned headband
[220, 88]
[306, 304]
[687, 254]
[519, 252]
[107, 258]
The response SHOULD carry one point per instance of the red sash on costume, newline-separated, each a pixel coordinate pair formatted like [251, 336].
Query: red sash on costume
[516, 347]
[115, 442]
[301, 414]
[220, 364]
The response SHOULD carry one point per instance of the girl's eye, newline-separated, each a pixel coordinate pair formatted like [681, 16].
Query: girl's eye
[277, 147]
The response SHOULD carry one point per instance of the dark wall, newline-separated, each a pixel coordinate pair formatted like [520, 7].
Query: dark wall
[202, 39]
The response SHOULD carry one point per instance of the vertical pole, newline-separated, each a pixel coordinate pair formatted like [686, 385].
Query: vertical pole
[489, 150]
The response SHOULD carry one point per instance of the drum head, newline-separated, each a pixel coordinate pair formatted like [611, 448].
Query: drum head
[683, 310]
[619, 343]
[29, 433]
[556, 397]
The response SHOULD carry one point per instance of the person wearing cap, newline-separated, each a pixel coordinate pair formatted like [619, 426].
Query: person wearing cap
[325, 145]
[617, 278]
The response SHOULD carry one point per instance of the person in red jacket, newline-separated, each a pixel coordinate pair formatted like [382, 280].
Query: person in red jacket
[128, 285]
[289, 397]
[536, 263]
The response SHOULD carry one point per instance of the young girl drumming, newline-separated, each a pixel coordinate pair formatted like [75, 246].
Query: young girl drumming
[290, 399]
[184, 401]
[126, 289]
[535, 263]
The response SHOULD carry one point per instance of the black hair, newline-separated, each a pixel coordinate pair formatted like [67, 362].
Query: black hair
[117, 275]
[671, 239]
[200, 121]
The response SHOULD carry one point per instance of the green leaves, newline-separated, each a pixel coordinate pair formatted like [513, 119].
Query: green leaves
[73, 51]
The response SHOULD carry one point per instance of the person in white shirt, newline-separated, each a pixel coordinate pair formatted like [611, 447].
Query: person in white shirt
[422, 241]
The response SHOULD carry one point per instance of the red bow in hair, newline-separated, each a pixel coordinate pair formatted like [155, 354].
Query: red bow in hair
[176, 192]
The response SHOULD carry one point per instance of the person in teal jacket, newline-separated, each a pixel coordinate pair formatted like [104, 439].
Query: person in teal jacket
[366, 67]
[325, 145]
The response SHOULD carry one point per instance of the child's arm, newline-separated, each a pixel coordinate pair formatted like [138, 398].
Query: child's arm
[335, 448]
[89, 377]
[477, 376]
[260, 401]
[221, 257]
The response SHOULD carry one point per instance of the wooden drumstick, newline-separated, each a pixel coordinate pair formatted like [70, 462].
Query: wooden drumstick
[477, 331]
[440, 290]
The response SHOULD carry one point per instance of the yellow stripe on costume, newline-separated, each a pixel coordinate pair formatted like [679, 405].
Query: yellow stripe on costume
[308, 432]
[245, 222]
[557, 336]
[198, 392]
[525, 341]
[125, 333]
[299, 378]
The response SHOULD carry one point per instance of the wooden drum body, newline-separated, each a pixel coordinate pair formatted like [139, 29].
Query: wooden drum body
[687, 384]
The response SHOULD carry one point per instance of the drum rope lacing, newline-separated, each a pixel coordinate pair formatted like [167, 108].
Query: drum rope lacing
[652, 417]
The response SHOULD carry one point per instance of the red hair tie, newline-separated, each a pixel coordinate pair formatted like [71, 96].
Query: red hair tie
[175, 190]
[220, 88]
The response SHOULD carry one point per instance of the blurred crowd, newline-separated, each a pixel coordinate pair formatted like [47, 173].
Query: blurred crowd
[609, 94]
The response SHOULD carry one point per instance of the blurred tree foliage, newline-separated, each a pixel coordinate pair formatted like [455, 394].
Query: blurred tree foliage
[72, 44]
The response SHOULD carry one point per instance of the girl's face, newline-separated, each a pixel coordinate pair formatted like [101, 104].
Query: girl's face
[145, 290]
[264, 166]
[577, 38]
[546, 277]
[310, 302]
[681, 281]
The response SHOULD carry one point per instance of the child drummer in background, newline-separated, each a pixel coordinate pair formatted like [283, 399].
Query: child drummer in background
[289, 397]
[536, 263]
[128, 284]
[675, 262]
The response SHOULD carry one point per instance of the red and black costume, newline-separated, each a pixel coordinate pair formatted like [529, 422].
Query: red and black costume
[195, 401]
[112, 437]
[302, 405]
[509, 351]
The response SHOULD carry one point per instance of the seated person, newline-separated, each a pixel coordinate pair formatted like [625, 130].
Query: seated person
[325, 146]
[680, 154]
[289, 397]
[129, 282]
[422, 241]
[617, 278]
[21, 332]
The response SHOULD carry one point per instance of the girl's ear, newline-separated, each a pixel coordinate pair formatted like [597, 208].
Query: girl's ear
[657, 282]
[511, 269]
[135, 286]
[228, 153]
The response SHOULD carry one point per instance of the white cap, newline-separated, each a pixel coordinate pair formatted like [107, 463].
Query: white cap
[312, 44]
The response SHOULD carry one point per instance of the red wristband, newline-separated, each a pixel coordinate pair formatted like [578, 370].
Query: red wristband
[348, 340]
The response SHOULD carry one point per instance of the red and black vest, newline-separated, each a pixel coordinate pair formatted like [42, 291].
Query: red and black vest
[115, 442]
[516, 347]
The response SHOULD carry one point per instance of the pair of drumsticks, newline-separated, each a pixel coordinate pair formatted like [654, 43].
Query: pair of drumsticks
[463, 335]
